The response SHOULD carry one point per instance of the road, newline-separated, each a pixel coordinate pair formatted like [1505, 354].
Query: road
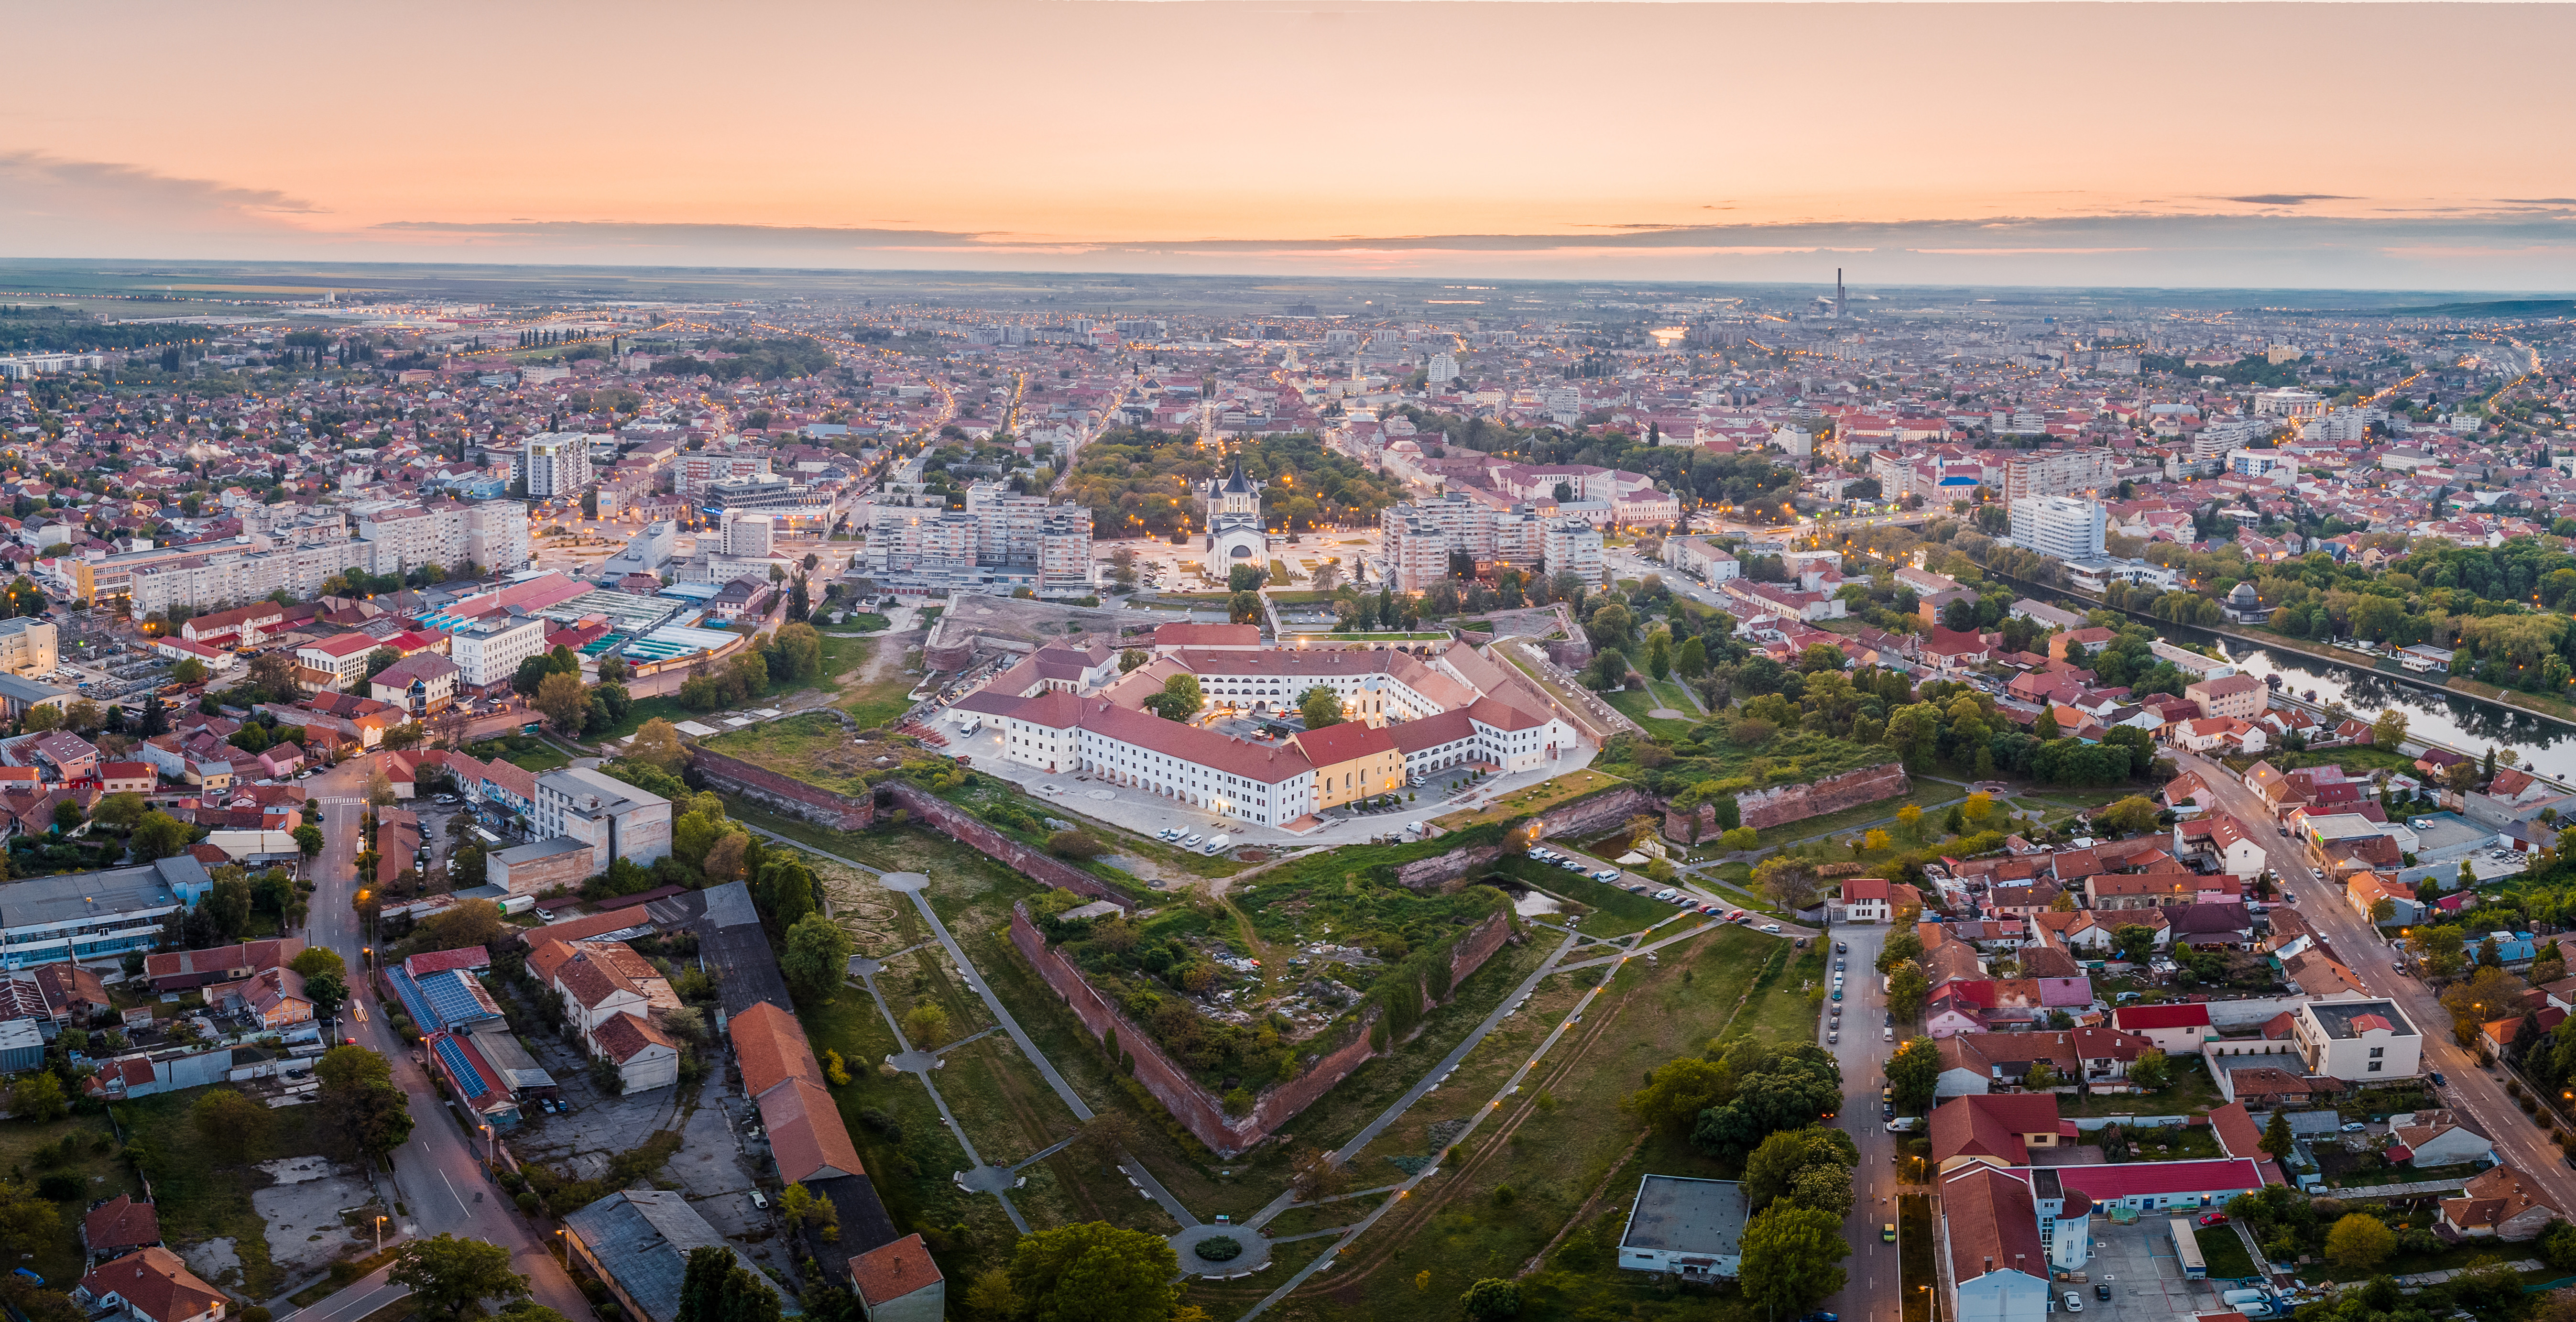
[2519, 1143]
[438, 1174]
[1872, 1291]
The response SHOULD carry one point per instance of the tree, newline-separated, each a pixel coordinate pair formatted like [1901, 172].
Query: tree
[799, 1207]
[1678, 1091]
[817, 957]
[380, 788]
[2360, 1242]
[1914, 1072]
[992, 1297]
[318, 959]
[159, 835]
[308, 840]
[2152, 1070]
[1907, 985]
[1321, 707]
[469, 923]
[2389, 730]
[565, 702]
[1491, 1299]
[2045, 728]
[38, 1098]
[449, 1276]
[925, 1026]
[1790, 882]
[190, 670]
[1094, 1272]
[380, 660]
[1776, 1165]
[657, 742]
[67, 815]
[40, 719]
[1127, 661]
[1792, 1258]
[228, 903]
[2130, 816]
[1180, 698]
[229, 1124]
[119, 811]
[346, 1067]
[2278, 1142]
[328, 992]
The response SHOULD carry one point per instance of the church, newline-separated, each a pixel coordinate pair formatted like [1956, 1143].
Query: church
[1234, 535]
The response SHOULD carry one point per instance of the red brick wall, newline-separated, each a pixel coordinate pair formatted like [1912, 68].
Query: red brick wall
[1190, 1102]
[958, 824]
[1789, 803]
[727, 775]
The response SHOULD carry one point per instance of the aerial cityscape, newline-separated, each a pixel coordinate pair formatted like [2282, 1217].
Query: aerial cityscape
[881, 705]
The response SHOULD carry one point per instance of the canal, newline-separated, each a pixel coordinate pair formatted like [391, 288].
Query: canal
[2455, 720]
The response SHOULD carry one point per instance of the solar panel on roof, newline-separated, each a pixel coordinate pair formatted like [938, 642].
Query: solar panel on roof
[456, 998]
[414, 1003]
[462, 1069]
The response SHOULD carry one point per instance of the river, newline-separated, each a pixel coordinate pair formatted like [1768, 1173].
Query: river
[2453, 720]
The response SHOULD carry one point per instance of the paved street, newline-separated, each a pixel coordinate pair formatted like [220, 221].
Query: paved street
[438, 1175]
[2518, 1141]
[1871, 1294]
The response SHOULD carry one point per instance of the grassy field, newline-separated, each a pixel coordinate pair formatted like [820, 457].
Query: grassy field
[1558, 1156]
[863, 622]
[878, 702]
[201, 1195]
[806, 747]
[640, 711]
[2224, 1250]
[82, 1149]
[1635, 703]
[1536, 798]
[543, 757]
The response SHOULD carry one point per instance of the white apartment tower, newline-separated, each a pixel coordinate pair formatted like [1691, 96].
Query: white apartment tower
[557, 464]
[2058, 526]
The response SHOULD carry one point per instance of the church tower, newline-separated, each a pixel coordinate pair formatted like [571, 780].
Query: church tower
[1234, 535]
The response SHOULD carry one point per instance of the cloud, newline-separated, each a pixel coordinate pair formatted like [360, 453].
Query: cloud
[39, 177]
[2287, 199]
[2540, 201]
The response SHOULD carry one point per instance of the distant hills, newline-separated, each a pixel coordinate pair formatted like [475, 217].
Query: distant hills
[2510, 307]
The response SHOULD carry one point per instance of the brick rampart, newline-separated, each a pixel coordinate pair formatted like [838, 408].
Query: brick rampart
[964, 827]
[1189, 1101]
[1422, 873]
[1790, 803]
[728, 775]
[1598, 813]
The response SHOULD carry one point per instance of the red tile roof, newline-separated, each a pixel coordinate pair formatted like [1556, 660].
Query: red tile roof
[887, 1273]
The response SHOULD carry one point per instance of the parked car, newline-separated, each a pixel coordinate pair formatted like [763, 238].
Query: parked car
[1771, 927]
[1606, 874]
[1842, 947]
[2074, 1302]
[2354, 1126]
[2213, 1218]
[2438, 1080]
[1887, 1233]
[2101, 1291]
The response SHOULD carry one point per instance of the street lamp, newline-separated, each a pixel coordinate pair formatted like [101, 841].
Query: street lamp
[380, 1234]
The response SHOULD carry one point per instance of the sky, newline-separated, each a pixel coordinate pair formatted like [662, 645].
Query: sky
[2367, 146]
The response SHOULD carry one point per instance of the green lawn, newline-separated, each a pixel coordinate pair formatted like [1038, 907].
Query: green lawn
[637, 713]
[2224, 1250]
[864, 622]
[81, 1150]
[543, 757]
[2193, 1092]
[1635, 703]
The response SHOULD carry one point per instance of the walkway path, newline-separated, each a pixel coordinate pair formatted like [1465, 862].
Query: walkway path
[912, 884]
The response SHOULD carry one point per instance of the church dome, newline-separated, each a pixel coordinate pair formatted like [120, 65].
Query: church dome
[2243, 597]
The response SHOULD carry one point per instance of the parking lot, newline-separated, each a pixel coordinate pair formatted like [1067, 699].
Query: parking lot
[2136, 1263]
[2447, 837]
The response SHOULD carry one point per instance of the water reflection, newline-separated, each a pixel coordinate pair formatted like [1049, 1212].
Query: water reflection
[2469, 724]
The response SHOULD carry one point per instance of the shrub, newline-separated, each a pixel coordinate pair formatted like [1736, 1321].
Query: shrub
[59, 1188]
[1218, 1248]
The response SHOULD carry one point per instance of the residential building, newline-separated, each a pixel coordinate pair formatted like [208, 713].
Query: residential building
[2501, 1203]
[28, 646]
[2239, 695]
[422, 684]
[556, 464]
[1997, 1129]
[2080, 472]
[2061, 527]
[1692, 1229]
[1571, 546]
[150, 1285]
[2358, 1041]
[120, 1225]
[209, 577]
[1988, 1255]
[615, 819]
[334, 664]
[899, 1282]
[1352, 760]
[487, 649]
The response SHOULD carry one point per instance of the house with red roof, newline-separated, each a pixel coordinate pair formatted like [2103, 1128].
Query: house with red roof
[2175, 1030]
[1996, 1129]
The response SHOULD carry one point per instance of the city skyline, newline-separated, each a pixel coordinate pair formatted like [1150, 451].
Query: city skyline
[2020, 144]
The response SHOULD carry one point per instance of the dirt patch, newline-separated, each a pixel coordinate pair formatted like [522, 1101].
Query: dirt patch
[303, 1211]
[214, 1260]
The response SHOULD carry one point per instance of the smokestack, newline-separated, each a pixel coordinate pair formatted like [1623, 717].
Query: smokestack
[1838, 293]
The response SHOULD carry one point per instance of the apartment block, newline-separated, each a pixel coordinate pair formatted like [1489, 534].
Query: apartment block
[1572, 546]
[29, 646]
[1000, 541]
[556, 464]
[691, 472]
[2059, 526]
[615, 819]
[488, 650]
[237, 573]
[2058, 473]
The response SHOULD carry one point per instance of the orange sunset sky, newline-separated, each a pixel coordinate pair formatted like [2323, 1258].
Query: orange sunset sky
[2378, 145]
